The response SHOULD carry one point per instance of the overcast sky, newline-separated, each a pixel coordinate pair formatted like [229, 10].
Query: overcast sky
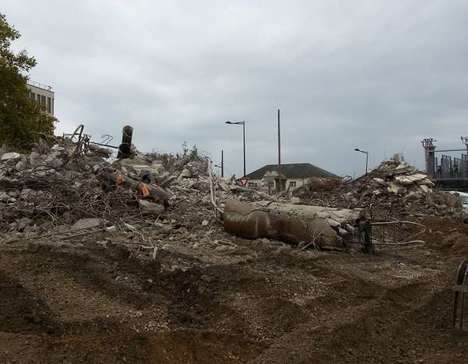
[379, 75]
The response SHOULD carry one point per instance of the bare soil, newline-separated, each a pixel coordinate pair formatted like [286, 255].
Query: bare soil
[250, 302]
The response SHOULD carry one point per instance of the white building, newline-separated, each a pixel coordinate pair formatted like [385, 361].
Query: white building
[296, 175]
[43, 95]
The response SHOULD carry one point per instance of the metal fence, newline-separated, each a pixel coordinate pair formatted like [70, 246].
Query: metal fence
[451, 167]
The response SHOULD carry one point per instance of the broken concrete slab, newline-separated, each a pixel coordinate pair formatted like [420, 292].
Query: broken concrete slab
[10, 156]
[35, 159]
[425, 189]
[186, 173]
[21, 165]
[380, 181]
[393, 188]
[137, 165]
[151, 207]
[87, 223]
[413, 178]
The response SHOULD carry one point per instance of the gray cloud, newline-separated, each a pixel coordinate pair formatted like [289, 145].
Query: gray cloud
[375, 74]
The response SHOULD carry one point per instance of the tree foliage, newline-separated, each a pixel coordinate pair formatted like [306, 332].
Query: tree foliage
[21, 120]
[192, 154]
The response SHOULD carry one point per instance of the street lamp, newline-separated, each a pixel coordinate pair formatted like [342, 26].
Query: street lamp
[367, 156]
[243, 131]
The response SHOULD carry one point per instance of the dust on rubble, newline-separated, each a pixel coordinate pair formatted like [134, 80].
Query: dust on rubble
[393, 190]
[89, 273]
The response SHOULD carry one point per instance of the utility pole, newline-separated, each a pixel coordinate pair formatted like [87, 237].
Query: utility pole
[222, 163]
[243, 131]
[279, 141]
[280, 179]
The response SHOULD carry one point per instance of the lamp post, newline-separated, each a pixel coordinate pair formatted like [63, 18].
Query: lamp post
[243, 133]
[367, 156]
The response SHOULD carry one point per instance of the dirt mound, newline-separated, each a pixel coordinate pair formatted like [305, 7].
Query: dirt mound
[90, 275]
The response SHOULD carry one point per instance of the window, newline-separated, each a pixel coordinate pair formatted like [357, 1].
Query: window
[43, 102]
[33, 96]
[252, 184]
[292, 184]
[49, 105]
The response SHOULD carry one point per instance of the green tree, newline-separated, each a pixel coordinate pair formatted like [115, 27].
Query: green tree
[21, 120]
[194, 152]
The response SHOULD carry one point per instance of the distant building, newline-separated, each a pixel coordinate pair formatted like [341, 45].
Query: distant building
[296, 174]
[42, 95]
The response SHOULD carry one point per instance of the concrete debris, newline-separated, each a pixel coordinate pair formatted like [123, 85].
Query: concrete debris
[88, 223]
[10, 156]
[341, 216]
[418, 178]
[186, 173]
[151, 207]
[54, 188]
[137, 166]
[323, 227]
[393, 190]
[149, 248]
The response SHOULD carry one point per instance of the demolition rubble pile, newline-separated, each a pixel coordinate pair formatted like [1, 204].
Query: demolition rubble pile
[52, 186]
[61, 186]
[392, 190]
